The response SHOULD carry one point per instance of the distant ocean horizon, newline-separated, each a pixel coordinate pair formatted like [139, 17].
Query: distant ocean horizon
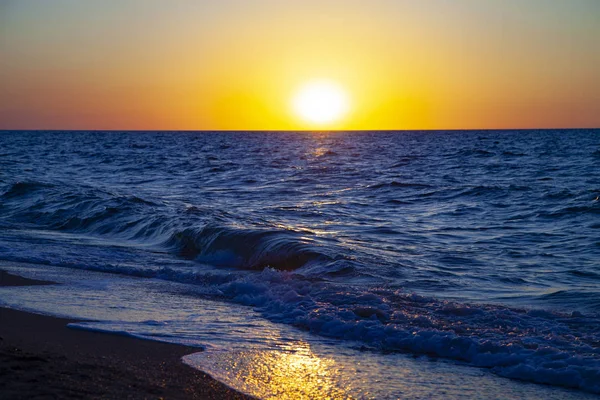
[115, 130]
[466, 256]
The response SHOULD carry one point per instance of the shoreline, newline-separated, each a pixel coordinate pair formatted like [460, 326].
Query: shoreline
[41, 357]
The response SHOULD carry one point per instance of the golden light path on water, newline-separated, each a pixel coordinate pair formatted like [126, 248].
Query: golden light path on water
[299, 370]
[292, 373]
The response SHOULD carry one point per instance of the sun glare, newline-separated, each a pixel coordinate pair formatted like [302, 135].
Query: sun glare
[320, 102]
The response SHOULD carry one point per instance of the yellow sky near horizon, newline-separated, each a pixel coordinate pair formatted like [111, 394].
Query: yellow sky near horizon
[236, 64]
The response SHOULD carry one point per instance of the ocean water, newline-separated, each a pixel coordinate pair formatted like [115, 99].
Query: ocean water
[460, 264]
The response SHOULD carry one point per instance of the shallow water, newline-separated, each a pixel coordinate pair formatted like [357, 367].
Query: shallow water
[250, 353]
[481, 249]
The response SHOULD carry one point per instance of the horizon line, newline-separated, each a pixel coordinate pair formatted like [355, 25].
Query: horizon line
[297, 130]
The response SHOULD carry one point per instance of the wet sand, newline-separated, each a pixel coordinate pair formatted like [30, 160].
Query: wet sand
[41, 358]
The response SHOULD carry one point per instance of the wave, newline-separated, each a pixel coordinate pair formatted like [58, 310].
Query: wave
[584, 274]
[84, 210]
[513, 154]
[184, 233]
[396, 184]
[475, 153]
[19, 189]
[452, 193]
[593, 208]
[493, 190]
[532, 345]
[245, 249]
[561, 349]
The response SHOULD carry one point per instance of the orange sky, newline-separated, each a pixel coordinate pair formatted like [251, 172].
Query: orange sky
[236, 64]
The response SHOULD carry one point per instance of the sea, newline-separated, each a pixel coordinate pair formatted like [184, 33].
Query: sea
[409, 264]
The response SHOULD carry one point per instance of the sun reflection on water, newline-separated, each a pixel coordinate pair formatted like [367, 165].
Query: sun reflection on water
[294, 372]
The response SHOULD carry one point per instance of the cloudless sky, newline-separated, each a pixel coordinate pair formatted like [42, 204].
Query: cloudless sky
[235, 64]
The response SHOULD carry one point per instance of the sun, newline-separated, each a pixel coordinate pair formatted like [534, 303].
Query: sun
[320, 102]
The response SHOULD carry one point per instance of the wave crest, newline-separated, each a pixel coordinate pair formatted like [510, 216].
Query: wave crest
[245, 249]
[19, 189]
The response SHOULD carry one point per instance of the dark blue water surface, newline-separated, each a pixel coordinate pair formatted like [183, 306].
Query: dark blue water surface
[350, 235]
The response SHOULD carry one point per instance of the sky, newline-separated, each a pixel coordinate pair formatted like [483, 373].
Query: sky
[237, 64]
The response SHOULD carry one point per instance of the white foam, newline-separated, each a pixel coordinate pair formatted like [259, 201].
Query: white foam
[537, 345]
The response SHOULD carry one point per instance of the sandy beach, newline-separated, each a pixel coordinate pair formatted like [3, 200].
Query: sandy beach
[41, 358]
